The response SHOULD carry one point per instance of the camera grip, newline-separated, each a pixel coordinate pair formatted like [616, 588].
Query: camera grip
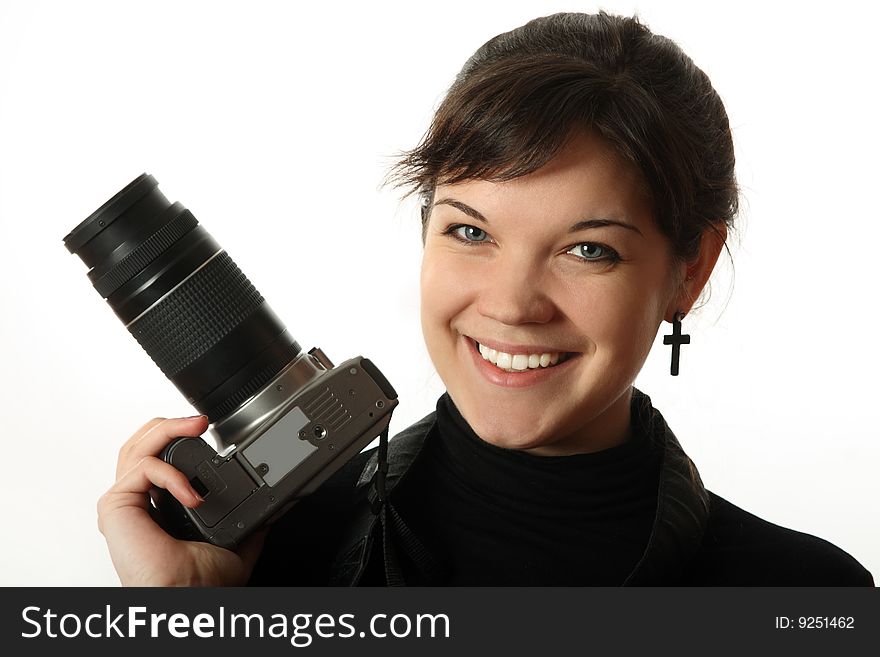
[168, 512]
[225, 484]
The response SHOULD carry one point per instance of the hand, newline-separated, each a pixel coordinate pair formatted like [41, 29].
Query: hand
[143, 553]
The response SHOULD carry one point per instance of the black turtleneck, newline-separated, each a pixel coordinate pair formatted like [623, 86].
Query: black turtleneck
[496, 516]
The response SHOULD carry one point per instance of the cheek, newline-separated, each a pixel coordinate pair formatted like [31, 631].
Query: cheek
[620, 316]
[442, 294]
[647, 312]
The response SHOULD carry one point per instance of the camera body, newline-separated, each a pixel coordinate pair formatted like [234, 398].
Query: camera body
[293, 444]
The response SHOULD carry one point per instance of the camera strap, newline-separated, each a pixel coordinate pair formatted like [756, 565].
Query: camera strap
[395, 531]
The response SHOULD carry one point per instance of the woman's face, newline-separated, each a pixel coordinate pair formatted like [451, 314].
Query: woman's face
[565, 263]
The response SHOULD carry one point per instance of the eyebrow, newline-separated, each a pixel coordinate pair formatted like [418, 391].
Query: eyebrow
[580, 225]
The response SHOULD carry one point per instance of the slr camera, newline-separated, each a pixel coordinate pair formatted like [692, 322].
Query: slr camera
[283, 420]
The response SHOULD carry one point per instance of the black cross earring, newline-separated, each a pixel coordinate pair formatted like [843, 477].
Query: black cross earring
[676, 340]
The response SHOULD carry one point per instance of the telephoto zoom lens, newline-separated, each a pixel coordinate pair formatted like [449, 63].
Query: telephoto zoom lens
[182, 298]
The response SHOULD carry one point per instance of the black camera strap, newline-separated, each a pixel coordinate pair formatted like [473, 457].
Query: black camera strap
[395, 531]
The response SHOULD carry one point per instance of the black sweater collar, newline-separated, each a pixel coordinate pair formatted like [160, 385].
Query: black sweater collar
[682, 502]
[574, 485]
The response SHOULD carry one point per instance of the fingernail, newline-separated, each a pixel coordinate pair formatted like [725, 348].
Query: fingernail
[193, 417]
[193, 494]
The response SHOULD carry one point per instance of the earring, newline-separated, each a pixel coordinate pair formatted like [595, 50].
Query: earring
[676, 340]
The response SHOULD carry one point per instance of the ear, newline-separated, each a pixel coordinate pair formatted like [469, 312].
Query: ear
[696, 272]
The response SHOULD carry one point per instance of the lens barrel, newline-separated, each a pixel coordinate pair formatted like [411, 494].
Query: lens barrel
[182, 298]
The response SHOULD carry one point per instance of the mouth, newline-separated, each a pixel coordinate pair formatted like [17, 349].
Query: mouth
[521, 361]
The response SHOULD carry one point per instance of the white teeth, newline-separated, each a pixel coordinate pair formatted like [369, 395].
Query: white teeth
[519, 362]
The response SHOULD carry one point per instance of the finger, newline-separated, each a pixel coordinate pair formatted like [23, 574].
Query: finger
[156, 437]
[159, 435]
[132, 488]
[140, 432]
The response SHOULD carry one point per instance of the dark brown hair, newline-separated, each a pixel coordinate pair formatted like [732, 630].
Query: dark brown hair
[520, 96]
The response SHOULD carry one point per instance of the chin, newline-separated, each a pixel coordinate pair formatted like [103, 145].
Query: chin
[508, 430]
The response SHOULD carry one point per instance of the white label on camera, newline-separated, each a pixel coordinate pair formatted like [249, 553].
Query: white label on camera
[280, 447]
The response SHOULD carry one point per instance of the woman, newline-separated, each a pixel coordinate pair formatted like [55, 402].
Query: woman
[577, 187]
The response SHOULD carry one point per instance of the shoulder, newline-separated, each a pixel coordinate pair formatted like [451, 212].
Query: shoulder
[741, 549]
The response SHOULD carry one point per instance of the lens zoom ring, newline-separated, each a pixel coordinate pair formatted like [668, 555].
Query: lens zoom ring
[196, 315]
[145, 253]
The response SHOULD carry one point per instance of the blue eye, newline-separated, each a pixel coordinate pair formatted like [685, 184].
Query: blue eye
[470, 233]
[590, 252]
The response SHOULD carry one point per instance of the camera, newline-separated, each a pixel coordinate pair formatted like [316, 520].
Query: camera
[283, 420]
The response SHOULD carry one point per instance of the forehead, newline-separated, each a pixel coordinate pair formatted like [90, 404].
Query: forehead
[586, 179]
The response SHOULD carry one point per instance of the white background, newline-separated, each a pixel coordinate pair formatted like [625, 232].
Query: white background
[274, 122]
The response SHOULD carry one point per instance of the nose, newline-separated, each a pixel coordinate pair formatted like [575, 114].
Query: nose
[514, 292]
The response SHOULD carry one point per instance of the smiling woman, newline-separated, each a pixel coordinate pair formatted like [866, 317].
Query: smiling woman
[577, 187]
[557, 278]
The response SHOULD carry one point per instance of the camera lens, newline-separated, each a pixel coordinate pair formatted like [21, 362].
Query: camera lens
[182, 298]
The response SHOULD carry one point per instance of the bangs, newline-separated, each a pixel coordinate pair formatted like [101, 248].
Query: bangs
[524, 94]
[509, 118]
